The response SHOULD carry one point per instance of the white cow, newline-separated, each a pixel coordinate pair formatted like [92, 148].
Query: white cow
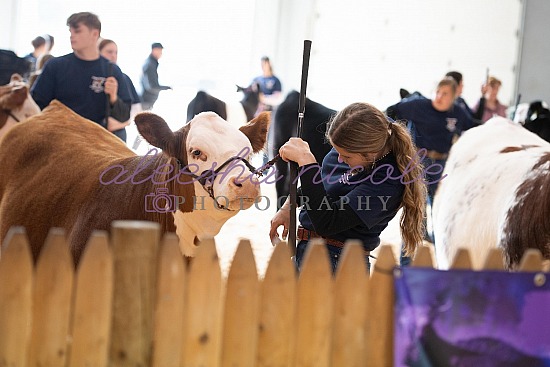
[496, 194]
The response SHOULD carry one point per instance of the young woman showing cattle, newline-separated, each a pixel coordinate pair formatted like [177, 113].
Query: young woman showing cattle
[371, 172]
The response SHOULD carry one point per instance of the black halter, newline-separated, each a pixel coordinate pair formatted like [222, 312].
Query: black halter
[10, 114]
[207, 177]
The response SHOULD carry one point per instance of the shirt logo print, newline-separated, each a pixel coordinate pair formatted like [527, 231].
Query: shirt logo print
[97, 84]
[451, 124]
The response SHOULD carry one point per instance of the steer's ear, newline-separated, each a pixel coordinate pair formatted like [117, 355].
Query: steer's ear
[256, 130]
[156, 131]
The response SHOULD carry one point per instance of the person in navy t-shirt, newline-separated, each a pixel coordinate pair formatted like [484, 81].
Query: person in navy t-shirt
[434, 125]
[270, 87]
[83, 80]
[364, 180]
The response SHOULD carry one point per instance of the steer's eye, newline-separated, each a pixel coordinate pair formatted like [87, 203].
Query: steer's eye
[198, 154]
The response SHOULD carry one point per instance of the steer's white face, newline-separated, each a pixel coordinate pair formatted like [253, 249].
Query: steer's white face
[210, 143]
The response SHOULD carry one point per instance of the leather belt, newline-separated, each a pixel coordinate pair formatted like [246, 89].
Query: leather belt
[306, 235]
[434, 154]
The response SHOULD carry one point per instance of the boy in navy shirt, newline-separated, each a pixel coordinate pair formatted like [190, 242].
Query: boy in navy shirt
[83, 80]
[434, 124]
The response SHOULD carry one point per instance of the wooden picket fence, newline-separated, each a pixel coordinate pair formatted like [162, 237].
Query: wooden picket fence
[134, 301]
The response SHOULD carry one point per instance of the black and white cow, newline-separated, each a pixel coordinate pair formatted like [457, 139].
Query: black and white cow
[285, 125]
[238, 113]
[496, 194]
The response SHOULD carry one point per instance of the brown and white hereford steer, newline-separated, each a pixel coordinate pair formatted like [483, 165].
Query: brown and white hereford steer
[61, 170]
[496, 194]
[16, 104]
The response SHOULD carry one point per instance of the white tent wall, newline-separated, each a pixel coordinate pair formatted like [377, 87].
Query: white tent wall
[362, 50]
[367, 50]
[534, 57]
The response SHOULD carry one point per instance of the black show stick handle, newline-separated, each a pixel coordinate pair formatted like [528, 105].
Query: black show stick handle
[293, 165]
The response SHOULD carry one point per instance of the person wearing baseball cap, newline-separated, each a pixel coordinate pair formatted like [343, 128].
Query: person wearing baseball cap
[150, 79]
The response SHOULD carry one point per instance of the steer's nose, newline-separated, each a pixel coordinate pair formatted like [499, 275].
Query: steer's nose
[237, 182]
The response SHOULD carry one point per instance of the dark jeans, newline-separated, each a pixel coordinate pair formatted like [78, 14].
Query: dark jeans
[334, 254]
[427, 162]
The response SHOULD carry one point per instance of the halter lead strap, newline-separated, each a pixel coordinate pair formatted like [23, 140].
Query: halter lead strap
[10, 114]
[207, 177]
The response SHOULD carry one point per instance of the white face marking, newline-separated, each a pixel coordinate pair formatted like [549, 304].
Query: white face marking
[211, 141]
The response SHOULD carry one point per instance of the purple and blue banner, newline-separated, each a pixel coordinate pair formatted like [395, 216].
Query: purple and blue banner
[471, 318]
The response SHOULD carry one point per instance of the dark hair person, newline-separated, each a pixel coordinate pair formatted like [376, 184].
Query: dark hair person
[372, 171]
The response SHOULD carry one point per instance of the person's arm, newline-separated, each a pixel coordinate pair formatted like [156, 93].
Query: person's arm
[119, 96]
[325, 220]
[282, 218]
[43, 89]
[152, 77]
[120, 110]
[478, 113]
[274, 99]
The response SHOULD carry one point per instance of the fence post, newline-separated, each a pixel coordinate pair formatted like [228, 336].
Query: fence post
[277, 310]
[169, 304]
[93, 302]
[240, 329]
[203, 309]
[462, 259]
[494, 260]
[531, 260]
[135, 249]
[349, 342]
[423, 258]
[16, 278]
[381, 306]
[52, 297]
[314, 316]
